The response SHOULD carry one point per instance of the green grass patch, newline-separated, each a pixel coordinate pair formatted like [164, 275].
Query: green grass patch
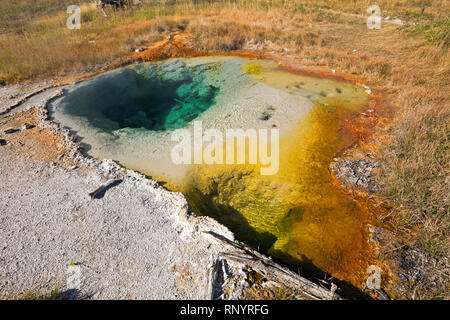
[436, 32]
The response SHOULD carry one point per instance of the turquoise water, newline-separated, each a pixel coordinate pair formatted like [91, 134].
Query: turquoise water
[153, 97]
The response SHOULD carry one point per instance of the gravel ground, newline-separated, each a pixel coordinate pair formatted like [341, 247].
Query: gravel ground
[14, 95]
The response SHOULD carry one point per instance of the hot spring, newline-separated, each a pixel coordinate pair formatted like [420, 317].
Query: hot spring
[297, 215]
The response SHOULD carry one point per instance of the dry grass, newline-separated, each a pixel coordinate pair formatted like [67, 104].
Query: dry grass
[410, 65]
[45, 292]
[45, 47]
[35, 42]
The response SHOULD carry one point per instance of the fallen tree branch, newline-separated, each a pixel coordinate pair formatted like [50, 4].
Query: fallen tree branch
[274, 272]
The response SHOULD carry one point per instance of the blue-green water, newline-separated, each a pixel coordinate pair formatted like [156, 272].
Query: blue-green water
[154, 97]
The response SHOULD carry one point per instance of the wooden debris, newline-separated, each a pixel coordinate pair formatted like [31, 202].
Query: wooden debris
[274, 272]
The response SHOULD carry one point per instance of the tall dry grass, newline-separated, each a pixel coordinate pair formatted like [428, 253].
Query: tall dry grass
[35, 42]
[45, 47]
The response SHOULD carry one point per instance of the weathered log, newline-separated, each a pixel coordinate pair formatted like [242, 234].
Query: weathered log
[272, 271]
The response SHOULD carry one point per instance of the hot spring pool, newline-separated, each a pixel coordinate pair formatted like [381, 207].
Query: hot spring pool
[296, 215]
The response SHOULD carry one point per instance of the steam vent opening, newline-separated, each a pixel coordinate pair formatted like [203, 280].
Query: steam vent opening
[297, 215]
